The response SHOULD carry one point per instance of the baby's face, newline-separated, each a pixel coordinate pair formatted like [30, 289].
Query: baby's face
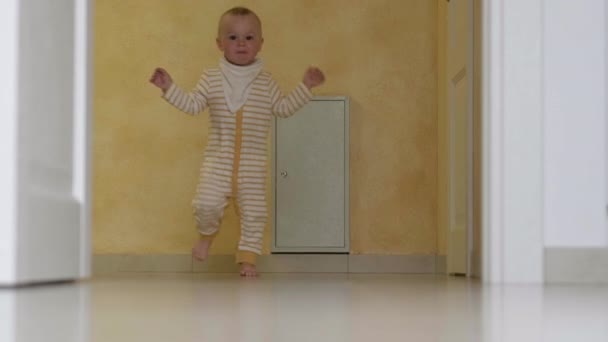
[240, 38]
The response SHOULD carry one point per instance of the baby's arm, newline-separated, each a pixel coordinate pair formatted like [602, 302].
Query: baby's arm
[285, 106]
[192, 103]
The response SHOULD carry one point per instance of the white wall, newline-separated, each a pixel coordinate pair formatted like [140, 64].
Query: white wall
[575, 153]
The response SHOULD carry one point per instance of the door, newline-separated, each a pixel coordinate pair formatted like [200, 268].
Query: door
[49, 110]
[310, 178]
[460, 118]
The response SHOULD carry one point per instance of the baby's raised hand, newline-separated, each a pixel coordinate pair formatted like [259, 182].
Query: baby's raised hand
[313, 77]
[161, 79]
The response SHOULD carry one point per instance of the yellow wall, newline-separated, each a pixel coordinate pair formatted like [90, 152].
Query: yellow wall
[381, 53]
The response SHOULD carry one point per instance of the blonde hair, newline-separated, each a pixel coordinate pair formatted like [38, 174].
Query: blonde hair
[239, 11]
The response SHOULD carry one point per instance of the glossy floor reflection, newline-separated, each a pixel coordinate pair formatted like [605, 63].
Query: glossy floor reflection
[300, 307]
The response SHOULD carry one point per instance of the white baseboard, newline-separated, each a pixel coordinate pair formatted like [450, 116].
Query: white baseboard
[274, 263]
[576, 265]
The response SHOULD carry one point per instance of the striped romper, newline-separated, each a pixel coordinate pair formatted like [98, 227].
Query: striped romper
[235, 160]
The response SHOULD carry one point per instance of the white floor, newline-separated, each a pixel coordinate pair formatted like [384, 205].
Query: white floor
[300, 307]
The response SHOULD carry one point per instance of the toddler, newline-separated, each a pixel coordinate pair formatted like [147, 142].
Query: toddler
[242, 98]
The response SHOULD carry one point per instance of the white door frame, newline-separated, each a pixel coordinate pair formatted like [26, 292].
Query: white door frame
[22, 239]
[512, 145]
[83, 127]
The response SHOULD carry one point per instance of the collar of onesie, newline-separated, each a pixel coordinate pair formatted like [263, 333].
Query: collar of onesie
[237, 81]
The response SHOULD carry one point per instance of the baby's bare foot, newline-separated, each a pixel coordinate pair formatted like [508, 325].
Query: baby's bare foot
[200, 251]
[248, 270]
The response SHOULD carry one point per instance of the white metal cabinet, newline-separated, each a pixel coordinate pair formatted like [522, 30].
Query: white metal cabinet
[310, 178]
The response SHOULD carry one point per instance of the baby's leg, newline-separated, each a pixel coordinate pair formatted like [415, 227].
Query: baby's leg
[209, 208]
[252, 213]
[200, 251]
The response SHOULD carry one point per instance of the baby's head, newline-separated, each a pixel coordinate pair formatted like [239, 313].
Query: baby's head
[239, 36]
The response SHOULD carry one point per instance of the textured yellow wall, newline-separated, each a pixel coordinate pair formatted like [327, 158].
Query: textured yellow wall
[381, 53]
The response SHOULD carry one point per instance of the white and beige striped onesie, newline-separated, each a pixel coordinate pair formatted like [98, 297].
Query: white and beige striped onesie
[235, 160]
